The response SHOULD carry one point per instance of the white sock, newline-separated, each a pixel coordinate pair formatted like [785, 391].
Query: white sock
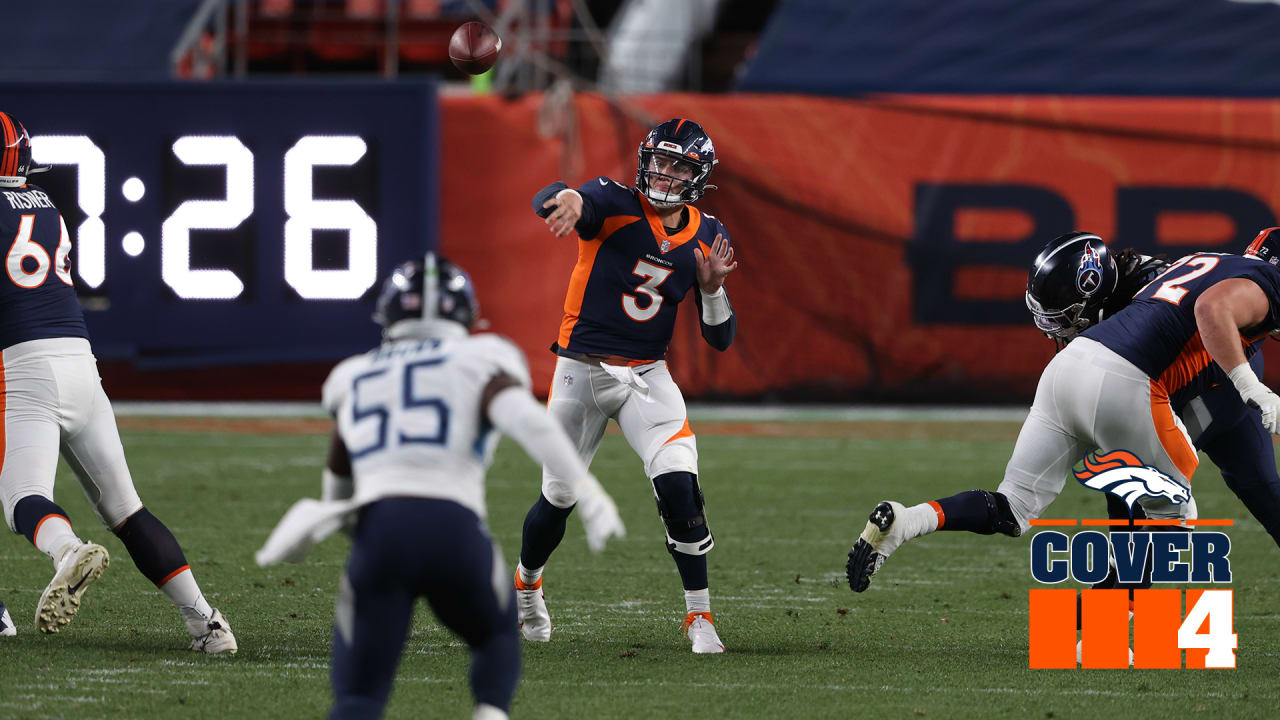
[921, 519]
[54, 537]
[185, 593]
[488, 712]
[528, 577]
[697, 600]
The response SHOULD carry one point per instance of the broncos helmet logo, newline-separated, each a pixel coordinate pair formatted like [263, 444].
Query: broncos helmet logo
[1089, 276]
[1124, 475]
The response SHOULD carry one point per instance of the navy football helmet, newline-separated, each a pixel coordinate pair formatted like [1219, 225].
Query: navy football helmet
[421, 293]
[1266, 246]
[15, 153]
[1069, 284]
[676, 154]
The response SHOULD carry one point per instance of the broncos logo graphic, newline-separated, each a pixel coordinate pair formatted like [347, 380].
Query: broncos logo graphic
[1124, 475]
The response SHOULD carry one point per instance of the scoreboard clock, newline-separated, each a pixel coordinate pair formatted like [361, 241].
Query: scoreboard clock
[238, 222]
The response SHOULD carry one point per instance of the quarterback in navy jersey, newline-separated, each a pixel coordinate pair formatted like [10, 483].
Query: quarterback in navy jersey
[51, 398]
[1198, 319]
[641, 250]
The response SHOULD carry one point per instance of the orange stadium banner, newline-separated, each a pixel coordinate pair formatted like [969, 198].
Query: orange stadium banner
[884, 241]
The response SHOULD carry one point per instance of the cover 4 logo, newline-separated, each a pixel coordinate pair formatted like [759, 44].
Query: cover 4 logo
[1130, 564]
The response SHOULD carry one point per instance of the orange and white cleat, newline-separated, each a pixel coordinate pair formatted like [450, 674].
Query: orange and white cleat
[701, 631]
[531, 609]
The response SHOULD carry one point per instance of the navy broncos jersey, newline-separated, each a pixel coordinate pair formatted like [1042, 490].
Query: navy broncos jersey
[37, 300]
[1158, 332]
[631, 273]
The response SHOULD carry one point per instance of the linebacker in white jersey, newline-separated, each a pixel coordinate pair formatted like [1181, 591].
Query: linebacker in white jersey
[417, 422]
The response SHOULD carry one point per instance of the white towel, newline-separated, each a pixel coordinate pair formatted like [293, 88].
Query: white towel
[308, 522]
[629, 377]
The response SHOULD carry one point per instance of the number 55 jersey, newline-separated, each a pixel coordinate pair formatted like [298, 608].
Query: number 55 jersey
[411, 414]
[37, 300]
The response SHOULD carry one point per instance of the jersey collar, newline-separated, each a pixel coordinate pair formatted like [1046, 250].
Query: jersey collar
[660, 231]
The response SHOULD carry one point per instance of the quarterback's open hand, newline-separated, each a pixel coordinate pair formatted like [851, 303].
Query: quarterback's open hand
[715, 267]
[599, 514]
[568, 208]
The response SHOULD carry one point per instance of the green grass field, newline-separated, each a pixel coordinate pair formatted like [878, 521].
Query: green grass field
[942, 633]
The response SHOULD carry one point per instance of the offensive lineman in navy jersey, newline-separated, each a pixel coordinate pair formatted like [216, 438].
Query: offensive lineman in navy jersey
[51, 398]
[1205, 308]
[641, 250]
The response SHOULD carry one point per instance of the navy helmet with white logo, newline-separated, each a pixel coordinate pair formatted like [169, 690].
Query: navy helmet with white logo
[688, 145]
[420, 295]
[1266, 246]
[1069, 284]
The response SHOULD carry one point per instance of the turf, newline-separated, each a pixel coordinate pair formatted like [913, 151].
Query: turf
[942, 632]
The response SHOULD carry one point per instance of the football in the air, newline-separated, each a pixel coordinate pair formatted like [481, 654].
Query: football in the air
[474, 47]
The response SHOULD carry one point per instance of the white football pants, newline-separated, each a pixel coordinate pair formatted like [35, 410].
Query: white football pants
[1089, 398]
[643, 399]
[52, 398]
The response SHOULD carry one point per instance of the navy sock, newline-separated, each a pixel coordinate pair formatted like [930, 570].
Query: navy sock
[153, 548]
[543, 530]
[30, 510]
[976, 511]
[495, 670]
[693, 569]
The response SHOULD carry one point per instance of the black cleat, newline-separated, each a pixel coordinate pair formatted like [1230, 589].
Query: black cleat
[874, 545]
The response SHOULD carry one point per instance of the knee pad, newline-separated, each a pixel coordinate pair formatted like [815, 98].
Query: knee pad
[680, 503]
[558, 492]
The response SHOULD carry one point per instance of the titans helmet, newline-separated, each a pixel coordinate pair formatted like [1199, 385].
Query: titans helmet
[1266, 246]
[689, 147]
[1069, 284]
[15, 153]
[420, 293]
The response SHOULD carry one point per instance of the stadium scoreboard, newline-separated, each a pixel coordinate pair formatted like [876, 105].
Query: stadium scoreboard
[239, 222]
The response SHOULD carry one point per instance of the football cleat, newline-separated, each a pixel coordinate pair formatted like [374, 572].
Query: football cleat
[879, 539]
[531, 609]
[7, 628]
[212, 636]
[61, 599]
[701, 631]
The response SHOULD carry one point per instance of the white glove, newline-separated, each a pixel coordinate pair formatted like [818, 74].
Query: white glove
[599, 514]
[1255, 394]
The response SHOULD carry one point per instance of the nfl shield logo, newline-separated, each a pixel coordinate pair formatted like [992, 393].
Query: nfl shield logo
[666, 245]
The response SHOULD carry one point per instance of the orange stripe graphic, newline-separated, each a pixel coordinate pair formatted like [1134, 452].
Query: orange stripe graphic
[1052, 521]
[1104, 634]
[1157, 614]
[684, 431]
[35, 536]
[1053, 628]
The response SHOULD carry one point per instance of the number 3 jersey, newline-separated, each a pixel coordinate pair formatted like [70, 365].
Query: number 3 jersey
[37, 300]
[1158, 331]
[630, 275]
[411, 415]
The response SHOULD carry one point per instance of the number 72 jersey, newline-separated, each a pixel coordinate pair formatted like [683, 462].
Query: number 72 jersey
[1158, 332]
[411, 415]
[37, 299]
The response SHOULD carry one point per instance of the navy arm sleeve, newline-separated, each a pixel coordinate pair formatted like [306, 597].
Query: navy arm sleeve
[590, 221]
[719, 336]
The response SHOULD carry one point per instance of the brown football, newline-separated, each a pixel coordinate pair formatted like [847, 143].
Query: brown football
[474, 47]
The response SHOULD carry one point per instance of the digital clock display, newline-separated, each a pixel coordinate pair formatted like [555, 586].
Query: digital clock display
[246, 222]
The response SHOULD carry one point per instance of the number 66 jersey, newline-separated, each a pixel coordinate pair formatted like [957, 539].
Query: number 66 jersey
[411, 414]
[37, 300]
